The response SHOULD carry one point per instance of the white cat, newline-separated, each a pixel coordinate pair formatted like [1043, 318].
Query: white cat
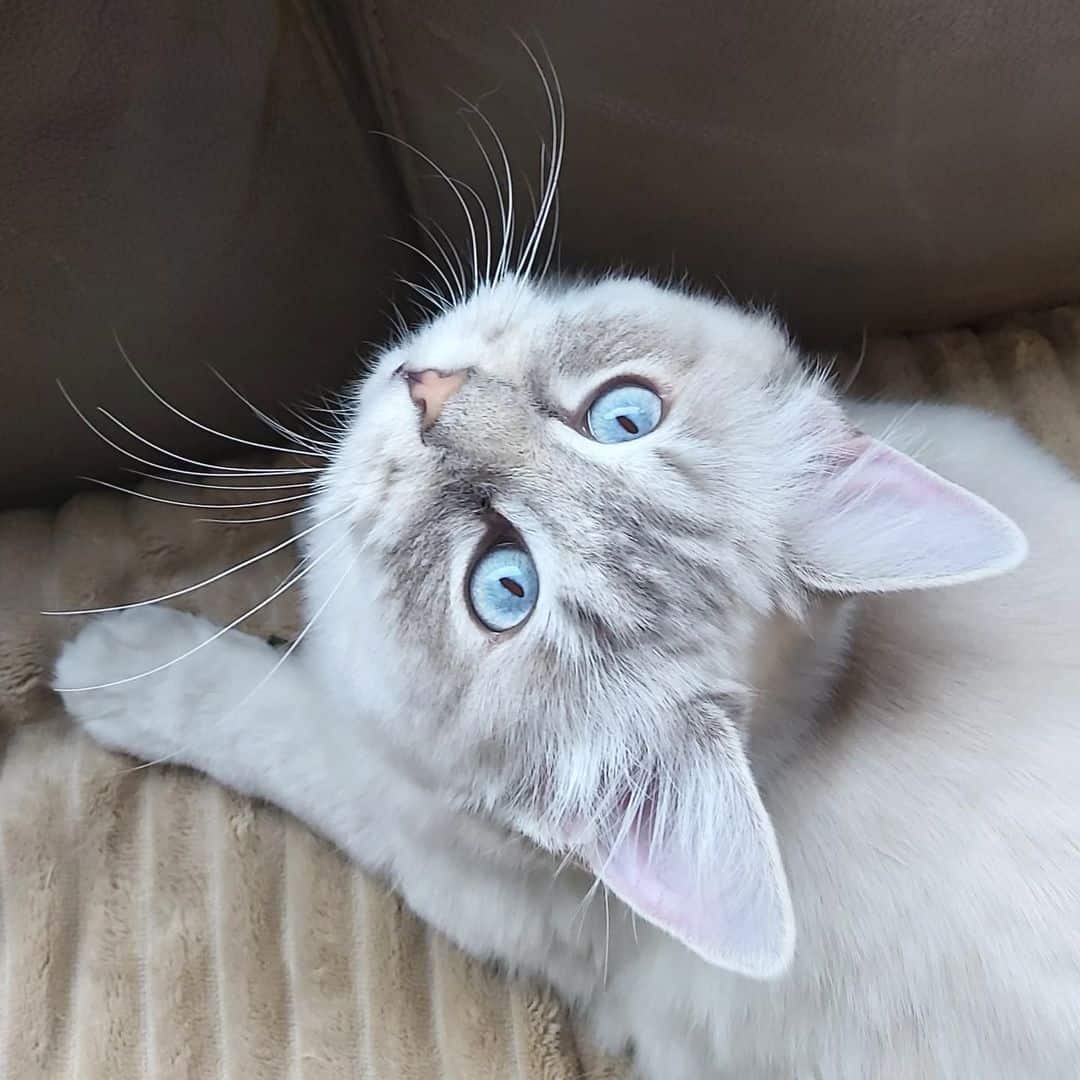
[605, 584]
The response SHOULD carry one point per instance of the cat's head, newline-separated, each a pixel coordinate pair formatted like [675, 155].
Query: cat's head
[563, 514]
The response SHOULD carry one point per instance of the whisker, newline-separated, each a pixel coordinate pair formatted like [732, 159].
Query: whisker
[456, 183]
[213, 637]
[299, 637]
[333, 437]
[583, 906]
[314, 445]
[400, 324]
[554, 239]
[487, 232]
[255, 520]
[191, 461]
[534, 205]
[447, 301]
[505, 207]
[457, 288]
[430, 295]
[195, 423]
[442, 173]
[555, 163]
[858, 366]
[191, 505]
[226, 473]
[180, 751]
[463, 273]
[207, 581]
[308, 484]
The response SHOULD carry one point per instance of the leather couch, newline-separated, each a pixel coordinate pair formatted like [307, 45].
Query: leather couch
[201, 179]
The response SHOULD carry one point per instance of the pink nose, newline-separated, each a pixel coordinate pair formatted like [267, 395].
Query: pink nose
[432, 389]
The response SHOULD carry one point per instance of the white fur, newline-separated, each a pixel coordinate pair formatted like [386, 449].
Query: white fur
[917, 753]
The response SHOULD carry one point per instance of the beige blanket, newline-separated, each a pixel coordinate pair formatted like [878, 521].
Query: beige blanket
[154, 925]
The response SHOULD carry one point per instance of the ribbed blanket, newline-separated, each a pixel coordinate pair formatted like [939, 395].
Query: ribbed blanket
[153, 925]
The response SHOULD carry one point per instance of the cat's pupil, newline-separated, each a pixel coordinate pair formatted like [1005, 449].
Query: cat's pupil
[627, 424]
[510, 585]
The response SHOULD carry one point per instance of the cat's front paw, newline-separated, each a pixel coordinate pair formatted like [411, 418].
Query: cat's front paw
[119, 682]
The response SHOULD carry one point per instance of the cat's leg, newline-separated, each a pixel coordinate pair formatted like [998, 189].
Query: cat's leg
[637, 1013]
[508, 903]
[200, 710]
[491, 893]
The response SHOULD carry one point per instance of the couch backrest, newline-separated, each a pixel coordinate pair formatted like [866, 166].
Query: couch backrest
[203, 180]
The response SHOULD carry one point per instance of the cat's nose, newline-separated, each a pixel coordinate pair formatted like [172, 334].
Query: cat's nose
[431, 390]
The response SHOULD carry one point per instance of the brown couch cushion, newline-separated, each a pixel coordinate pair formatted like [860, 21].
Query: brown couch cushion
[202, 178]
[199, 178]
[854, 161]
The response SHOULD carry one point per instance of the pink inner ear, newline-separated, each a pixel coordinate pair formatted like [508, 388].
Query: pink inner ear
[881, 522]
[875, 468]
[727, 903]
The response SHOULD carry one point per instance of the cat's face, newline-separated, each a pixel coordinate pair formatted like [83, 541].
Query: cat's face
[555, 571]
[624, 453]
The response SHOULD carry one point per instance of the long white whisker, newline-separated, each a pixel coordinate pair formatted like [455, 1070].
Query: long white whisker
[213, 637]
[458, 288]
[262, 682]
[225, 474]
[504, 216]
[193, 505]
[191, 461]
[430, 295]
[438, 269]
[454, 182]
[583, 906]
[318, 448]
[299, 637]
[195, 423]
[255, 520]
[554, 165]
[442, 173]
[487, 231]
[333, 438]
[207, 581]
[558, 151]
[554, 239]
[307, 484]
[858, 367]
[400, 324]
[463, 274]
[534, 205]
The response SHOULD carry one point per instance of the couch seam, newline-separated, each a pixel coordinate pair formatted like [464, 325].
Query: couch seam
[340, 38]
[380, 75]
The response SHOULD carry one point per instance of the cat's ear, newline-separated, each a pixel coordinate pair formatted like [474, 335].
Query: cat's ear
[699, 860]
[881, 522]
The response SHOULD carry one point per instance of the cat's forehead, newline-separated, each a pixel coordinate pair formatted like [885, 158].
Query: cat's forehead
[577, 334]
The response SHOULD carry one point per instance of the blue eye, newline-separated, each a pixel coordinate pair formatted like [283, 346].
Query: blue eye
[503, 587]
[623, 413]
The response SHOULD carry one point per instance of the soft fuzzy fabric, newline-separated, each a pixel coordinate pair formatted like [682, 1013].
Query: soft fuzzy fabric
[153, 925]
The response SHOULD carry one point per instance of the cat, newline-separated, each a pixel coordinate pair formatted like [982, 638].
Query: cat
[609, 589]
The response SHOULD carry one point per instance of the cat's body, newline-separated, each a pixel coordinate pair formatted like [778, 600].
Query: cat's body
[917, 752]
[929, 825]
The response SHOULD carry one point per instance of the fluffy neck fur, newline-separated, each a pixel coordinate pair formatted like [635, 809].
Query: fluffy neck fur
[796, 664]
